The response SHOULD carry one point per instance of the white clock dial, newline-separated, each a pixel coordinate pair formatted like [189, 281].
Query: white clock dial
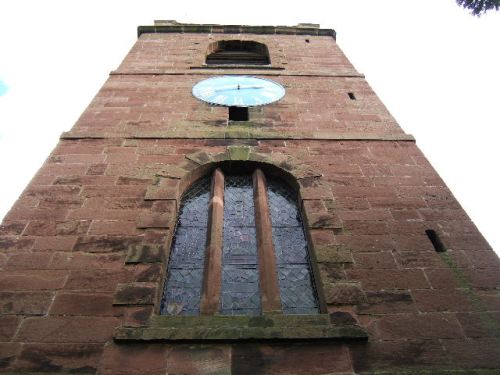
[238, 91]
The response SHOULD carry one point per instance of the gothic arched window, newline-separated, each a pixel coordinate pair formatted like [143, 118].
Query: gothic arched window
[237, 52]
[239, 249]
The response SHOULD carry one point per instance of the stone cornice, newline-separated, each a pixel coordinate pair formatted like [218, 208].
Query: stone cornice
[171, 27]
[322, 136]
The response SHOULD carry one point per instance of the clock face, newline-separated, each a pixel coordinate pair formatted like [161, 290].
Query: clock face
[238, 91]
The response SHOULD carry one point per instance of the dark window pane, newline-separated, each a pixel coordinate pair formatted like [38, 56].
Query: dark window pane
[238, 52]
[240, 278]
[185, 269]
[294, 271]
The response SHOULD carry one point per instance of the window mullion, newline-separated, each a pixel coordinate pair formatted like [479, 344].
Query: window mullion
[270, 292]
[212, 279]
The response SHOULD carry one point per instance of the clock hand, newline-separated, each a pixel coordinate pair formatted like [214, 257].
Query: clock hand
[239, 87]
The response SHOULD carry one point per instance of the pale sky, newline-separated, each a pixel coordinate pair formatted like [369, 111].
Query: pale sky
[434, 66]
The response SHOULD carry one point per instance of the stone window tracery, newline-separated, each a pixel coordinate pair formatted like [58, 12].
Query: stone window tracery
[239, 249]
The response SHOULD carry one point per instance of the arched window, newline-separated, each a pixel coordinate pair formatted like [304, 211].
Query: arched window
[239, 249]
[237, 52]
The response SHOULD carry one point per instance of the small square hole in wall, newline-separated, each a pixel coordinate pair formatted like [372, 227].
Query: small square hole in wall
[351, 96]
[238, 113]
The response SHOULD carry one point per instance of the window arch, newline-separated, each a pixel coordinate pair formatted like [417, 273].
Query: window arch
[237, 52]
[239, 248]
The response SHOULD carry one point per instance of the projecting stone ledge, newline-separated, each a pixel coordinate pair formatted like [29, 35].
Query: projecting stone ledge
[229, 328]
[177, 27]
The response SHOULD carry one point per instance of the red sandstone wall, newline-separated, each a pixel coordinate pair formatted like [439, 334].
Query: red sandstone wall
[312, 107]
[63, 244]
[169, 53]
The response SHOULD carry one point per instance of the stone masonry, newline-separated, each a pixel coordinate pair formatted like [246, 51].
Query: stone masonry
[83, 252]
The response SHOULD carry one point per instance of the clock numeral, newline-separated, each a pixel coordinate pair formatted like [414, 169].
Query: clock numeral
[238, 100]
[207, 92]
[220, 99]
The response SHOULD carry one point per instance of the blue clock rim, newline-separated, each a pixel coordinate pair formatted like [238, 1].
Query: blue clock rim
[239, 75]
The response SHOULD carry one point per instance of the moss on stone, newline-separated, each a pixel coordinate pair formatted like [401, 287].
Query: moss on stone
[260, 321]
[332, 254]
[227, 328]
[239, 152]
[172, 171]
[487, 321]
[148, 253]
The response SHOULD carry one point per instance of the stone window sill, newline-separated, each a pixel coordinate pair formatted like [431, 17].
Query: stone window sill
[229, 328]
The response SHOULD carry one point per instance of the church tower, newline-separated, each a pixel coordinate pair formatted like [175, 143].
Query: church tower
[237, 200]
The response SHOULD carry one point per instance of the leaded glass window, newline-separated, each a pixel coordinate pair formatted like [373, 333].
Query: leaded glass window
[240, 274]
[261, 250]
[290, 248]
[185, 269]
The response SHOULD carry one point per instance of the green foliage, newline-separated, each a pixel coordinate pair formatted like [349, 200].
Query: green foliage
[479, 7]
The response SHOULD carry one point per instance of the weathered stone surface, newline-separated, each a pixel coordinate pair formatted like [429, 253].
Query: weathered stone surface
[86, 261]
[269, 327]
[25, 303]
[156, 220]
[8, 326]
[172, 171]
[297, 359]
[375, 280]
[331, 273]
[55, 358]
[239, 152]
[324, 221]
[84, 304]
[270, 320]
[71, 329]
[199, 359]
[375, 260]
[233, 333]
[386, 302]
[342, 318]
[133, 359]
[12, 228]
[316, 193]
[105, 243]
[32, 280]
[8, 353]
[396, 357]
[200, 158]
[144, 254]
[135, 294]
[332, 254]
[99, 280]
[159, 192]
[28, 260]
[138, 316]
[443, 300]
[57, 228]
[473, 353]
[418, 326]
[344, 294]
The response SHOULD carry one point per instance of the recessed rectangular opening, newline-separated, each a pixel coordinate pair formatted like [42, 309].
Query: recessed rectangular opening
[351, 96]
[435, 240]
[238, 113]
